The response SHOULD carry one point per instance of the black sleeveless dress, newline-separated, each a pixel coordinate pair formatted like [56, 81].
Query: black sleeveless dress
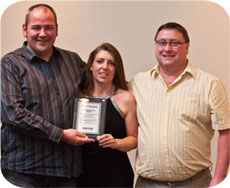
[105, 167]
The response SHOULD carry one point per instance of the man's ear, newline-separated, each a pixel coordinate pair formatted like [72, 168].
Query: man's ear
[57, 31]
[24, 30]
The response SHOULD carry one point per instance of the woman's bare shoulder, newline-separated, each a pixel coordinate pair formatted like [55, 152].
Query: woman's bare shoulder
[125, 96]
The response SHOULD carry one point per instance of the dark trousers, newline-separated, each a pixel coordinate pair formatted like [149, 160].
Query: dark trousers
[33, 180]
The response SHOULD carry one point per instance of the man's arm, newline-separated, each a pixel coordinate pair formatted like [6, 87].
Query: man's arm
[223, 155]
[15, 114]
[13, 110]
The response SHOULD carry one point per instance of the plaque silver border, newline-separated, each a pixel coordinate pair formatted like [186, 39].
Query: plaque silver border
[102, 114]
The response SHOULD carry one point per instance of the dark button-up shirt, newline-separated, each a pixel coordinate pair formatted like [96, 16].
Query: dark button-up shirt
[37, 100]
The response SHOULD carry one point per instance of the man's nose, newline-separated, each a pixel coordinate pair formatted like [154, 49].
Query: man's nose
[43, 32]
[168, 46]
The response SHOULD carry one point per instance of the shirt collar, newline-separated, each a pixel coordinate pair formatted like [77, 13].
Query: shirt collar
[189, 69]
[31, 55]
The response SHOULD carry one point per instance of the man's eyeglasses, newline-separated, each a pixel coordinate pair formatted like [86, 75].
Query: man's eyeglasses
[164, 43]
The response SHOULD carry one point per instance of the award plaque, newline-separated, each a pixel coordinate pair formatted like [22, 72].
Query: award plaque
[89, 116]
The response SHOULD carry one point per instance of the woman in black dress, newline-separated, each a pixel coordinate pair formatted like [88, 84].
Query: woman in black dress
[105, 162]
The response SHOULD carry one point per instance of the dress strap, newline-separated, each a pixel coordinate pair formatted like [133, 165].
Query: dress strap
[107, 96]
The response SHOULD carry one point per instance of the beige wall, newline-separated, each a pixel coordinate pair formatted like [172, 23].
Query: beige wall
[131, 27]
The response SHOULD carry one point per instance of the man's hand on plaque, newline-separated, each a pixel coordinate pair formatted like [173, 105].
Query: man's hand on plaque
[75, 138]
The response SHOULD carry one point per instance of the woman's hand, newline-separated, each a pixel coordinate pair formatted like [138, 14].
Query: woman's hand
[108, 141]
